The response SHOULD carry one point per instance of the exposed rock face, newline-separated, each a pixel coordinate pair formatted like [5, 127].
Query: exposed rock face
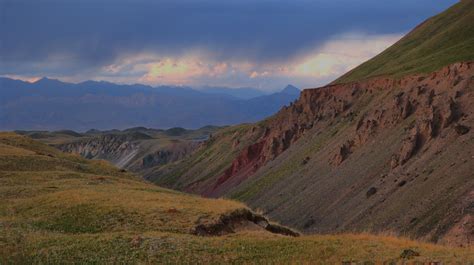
[135, 152]
[377, 134]
[238, 220]
[428, 98]
[119, 149]
[245, 164]
[409, 147]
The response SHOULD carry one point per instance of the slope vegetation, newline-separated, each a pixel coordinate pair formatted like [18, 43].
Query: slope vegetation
[59, 208]
[441, 40]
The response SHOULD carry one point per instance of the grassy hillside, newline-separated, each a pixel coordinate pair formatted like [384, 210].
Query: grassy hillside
[439, 41]
[60, 208]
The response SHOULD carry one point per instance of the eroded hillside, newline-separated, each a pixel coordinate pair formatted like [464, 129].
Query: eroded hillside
[383, 154]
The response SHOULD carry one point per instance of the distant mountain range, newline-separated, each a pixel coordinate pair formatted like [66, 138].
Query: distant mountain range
[242, 93]
[49, 104]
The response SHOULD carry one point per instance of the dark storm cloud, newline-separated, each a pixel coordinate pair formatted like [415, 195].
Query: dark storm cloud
[88, 34]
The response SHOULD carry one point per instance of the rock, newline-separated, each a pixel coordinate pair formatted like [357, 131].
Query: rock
[409, 253]
[450, 114]
[371, 192]
[310, 222]
[173, 210]
[394, 162]
[428, 128]
[409, 146]
[235, 144]
[305, 161]
[461, 129]
[407, 109]
[343, 152]
[402, 183]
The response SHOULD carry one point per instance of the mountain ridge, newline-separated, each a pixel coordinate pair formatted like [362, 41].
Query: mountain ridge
[50, 104]
[439, 41]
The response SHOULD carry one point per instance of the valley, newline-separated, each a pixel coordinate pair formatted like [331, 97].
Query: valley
[382, 154]
[61, 208]
[375, 167]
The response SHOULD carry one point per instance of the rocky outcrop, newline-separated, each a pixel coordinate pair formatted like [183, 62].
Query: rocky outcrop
[238, 220]
[245, 164]
[137, 152]
[119, 149]
[429, 101]
[343, 152]
[409, 147]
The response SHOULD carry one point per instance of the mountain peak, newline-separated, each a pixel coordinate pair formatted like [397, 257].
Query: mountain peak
[46, 80]
[291, 90]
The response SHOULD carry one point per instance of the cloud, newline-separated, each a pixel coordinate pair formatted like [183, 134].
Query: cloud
[205, 41]
[256, 74]
[200, 68]
[342, 53]
[30, 79]
[173, 71]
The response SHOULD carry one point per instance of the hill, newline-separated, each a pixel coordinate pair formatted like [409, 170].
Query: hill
[54, 105]
[391, 153]
[60, 208]
[439, 41]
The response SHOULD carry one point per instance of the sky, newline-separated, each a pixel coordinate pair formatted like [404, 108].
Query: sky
[263, 44]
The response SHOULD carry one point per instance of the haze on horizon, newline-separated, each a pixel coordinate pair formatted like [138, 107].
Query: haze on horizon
[264, 44]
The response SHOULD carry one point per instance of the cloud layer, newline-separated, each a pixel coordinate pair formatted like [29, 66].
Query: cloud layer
[200, 42]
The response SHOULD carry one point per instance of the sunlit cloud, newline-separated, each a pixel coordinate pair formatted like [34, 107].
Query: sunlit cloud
[316, 67]
[321, 64]
[261, 44]
[155, 69]
[198, 68]
[173, 71]
[30, 79]
[256, 74]
[342, 54]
